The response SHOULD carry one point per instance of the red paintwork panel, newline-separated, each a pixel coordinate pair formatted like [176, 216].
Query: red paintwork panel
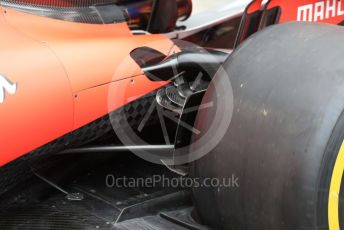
[42, 107]
[91, 54]
[329, 11]
[96, 102]
[64, 72]
[254, 6]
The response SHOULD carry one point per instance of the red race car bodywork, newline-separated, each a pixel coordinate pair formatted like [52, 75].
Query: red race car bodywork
[56, 75]
[63, 72]
[257, 15]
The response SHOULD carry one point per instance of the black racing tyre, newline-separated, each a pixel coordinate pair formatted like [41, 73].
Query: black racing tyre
[285, 140]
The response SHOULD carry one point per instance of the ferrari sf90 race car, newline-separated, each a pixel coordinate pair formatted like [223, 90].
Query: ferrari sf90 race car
[171, 114]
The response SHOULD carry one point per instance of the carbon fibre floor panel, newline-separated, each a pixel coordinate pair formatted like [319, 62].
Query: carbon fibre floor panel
[37, 205]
